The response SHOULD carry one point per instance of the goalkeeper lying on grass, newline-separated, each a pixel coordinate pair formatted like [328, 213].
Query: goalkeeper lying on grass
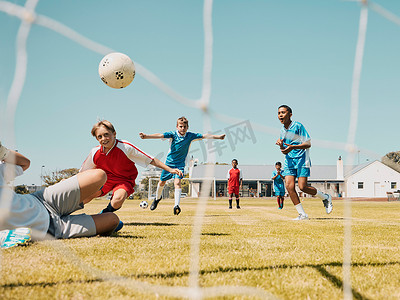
[48, 211]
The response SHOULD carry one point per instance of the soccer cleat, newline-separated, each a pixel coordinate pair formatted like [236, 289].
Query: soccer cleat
[238, 207]
[177, 210]
[230, 206]
[153, 205]
[15, 237]
[119, 227]
[301, 217]
[328, 204]
[280, 207]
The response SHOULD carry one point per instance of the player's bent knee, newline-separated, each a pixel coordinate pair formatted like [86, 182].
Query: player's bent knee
[94, 176]
[291, 189]
[302, 187]
[120, 198]
[289, 186]
[110, 222]
[101, 176]
[114, 220]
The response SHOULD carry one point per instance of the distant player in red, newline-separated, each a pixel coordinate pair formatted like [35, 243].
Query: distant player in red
[235, 180]
[118, 158]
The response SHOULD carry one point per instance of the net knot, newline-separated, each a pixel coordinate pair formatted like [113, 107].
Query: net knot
[29, 16]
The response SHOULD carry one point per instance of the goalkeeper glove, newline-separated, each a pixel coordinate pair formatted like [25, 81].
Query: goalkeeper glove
[3, 152]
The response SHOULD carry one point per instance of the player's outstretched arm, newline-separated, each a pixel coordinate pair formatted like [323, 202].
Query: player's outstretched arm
[16, 158]
[157, 163]
[151, 136]
[213, 136]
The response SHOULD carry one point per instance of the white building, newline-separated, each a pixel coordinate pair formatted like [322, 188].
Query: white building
[372, 179]
[258, 178]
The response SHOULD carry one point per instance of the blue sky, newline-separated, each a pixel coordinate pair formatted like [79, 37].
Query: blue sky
[265, 53]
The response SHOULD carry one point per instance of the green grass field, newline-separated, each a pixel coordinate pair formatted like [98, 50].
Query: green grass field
[256, 246]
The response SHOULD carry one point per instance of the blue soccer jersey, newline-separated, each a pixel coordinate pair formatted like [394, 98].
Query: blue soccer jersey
[296, 134]
[179, 147]
[279, 185]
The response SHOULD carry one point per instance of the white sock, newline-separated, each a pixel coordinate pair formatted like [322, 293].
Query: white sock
[178, 196]
[159, 191]
[320, 195]
[300, 209]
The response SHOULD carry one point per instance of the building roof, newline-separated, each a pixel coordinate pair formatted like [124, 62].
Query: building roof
[323, 173]
[263, 172]
[355, 169]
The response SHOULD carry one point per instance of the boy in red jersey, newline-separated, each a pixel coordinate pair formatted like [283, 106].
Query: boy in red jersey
[235, 180]
[118, 159]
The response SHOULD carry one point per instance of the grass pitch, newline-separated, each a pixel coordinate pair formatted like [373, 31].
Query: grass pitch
[257, 246]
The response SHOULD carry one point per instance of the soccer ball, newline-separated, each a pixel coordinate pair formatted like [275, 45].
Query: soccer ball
[143, 204]
[117, 70]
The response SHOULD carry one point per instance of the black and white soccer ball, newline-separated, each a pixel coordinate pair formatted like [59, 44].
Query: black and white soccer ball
[117, 70]
[144, 204]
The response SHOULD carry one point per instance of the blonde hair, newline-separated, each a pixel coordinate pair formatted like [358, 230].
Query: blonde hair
[183, 120]
[104, 123]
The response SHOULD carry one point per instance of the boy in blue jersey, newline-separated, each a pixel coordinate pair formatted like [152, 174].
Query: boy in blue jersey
[180, 143]
[295, 142]
[279, 184]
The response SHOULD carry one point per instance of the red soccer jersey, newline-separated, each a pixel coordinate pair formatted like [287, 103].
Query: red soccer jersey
[234, 176]
[119, 162]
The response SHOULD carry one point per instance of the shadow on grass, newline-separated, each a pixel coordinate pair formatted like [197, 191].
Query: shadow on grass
[337, 282]
[126, 236]
[150, 224]
[48, 284]
[207, 216]
[214, 233]
[321, 268]
[324, 219]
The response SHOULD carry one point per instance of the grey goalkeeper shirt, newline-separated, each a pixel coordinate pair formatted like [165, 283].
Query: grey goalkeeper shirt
[18, 210]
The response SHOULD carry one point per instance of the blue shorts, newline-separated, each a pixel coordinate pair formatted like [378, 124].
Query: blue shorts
[279, 193]
[167, 175]
[300, 172]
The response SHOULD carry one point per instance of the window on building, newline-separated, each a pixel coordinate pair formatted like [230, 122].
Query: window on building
[360, 185]
[393, 185]
[328, 185]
